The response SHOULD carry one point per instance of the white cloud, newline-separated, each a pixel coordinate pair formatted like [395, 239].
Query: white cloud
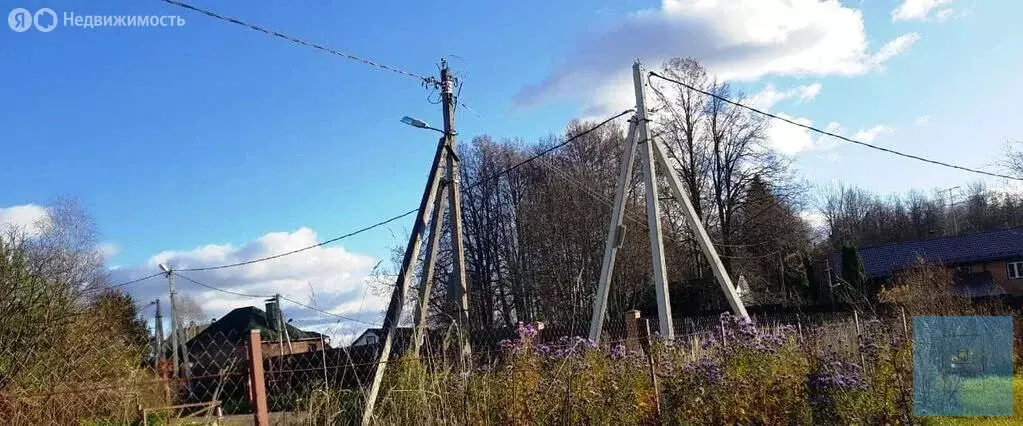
[825, 142]
[922, 120]
[918, 10]
[944, 15]
[869, 134]
[770, 96]
[787, 138]
[26, 218]
[330, 278]
[735, 39]
[809, 92]
[815, 219]
[109, 249]
[893, 48]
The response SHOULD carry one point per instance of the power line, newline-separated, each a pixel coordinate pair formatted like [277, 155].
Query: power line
[429, 81]
[262, 259]
[548, 150]
[328, 312]
[127, 283]
[260, 296]
[268, 297]
[378, 224]
[834, 135]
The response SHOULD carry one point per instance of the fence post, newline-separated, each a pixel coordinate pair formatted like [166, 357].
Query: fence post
[724, 339]
[905, 326]
[799, 327]
[859, 339]
[644, 341]
[632, 333]
[257, 380]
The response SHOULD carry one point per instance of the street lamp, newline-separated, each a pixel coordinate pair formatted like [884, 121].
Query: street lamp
[415, 122]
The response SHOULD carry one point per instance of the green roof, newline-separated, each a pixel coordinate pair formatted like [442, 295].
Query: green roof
[237, 323]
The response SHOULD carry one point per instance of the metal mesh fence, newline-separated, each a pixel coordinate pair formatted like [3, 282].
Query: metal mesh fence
[86, 379]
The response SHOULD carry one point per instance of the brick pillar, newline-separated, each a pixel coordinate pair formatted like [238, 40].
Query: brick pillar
[632, 332]
[257, 382]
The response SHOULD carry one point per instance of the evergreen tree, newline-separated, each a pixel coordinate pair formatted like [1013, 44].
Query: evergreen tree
[853, 272]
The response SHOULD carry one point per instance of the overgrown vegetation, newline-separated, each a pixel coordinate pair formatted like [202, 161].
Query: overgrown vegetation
[739, 374]
[70, 349]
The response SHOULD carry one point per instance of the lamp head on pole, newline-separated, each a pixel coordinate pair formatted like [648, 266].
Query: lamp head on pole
[415, 122]
[165, 269]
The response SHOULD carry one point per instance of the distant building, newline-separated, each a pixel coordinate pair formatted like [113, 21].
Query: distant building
[983, 264]
[435, 340]
[226, 340]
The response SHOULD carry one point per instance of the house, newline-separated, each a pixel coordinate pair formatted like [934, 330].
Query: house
[402, 340]
[225, 341]
[983, 264]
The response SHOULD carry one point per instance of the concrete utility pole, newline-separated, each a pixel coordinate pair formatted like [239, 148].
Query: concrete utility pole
[952, 209]
[174, 319]
[158, 326]
[459, 291]
[179, 342]
[438, 192]
[652, 153]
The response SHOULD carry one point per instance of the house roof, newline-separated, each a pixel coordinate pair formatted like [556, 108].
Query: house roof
[881, 261]
[237, 323]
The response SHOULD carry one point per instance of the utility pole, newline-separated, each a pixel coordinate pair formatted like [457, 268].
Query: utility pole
[158, 326]
[459, 291]
[280, 322]
[952, 209]
[442, 187]
[178, 342]
[174, 319]
[651, 153]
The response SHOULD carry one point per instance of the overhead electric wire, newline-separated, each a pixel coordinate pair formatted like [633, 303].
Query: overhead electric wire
[835, 135]
[426, 80]
[328, 312]
[335, 239]
[364, 229]
[126, 283]
[548, 150]
[255, 296]
[215, 288]
[378, 224]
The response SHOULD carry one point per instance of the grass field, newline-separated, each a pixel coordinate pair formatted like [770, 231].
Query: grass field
[971, 387]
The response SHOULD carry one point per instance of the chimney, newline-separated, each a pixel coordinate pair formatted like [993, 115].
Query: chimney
[273, 315]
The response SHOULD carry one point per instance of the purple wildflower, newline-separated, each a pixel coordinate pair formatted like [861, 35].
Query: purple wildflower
[708, 370]
[618, 352]
[834, 376]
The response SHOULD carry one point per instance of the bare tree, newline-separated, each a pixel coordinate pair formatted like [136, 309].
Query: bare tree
[66, 248]
[192, 316]
[684, 123]
[1013, 158]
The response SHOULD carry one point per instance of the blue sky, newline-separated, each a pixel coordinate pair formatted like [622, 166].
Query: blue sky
[180, 138]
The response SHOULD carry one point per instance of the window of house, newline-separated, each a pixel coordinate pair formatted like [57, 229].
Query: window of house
[1015, 270]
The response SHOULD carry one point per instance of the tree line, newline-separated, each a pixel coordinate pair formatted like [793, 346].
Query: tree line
[535, 236]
